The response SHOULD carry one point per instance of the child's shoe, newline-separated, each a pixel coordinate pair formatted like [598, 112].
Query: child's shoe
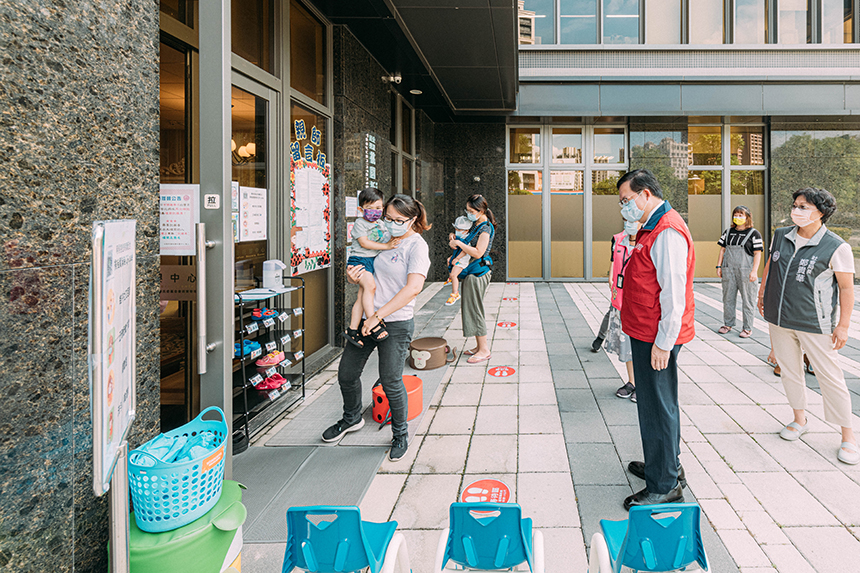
[447, 282]
[452, 299]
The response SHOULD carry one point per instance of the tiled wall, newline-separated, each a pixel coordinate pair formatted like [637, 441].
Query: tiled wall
[80, 144]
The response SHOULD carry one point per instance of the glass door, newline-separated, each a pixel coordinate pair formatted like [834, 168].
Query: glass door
[566, 202]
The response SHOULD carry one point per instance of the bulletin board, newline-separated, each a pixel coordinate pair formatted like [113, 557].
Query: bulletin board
[310, 203]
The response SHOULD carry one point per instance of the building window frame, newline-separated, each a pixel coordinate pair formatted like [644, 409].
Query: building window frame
[399, 154]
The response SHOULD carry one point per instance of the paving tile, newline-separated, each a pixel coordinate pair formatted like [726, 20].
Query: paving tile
[570, 379]
[711, 419]
[817, 545]
[772, 489]
[561, 348]
[626, 439]
[576, 400]
[724, 393]
[732, 372]
[378, 502]
[441, 454]
[421, 546]
[492, 454]
[539, 420]
[598, 502]
[503, 359]
[453, 420]
[263, 556]
[689, 394]
[618, 411]
[566, 362]
[692, 434]
[536, 358]
[595, 464]
[721, 514]
[533, 345]
[585, 427]
[743, 548]
[505, 346]
[540, 393]
[509, 479]
[532, 373]
[793, 456]
[542, 453]
[548, 499]
[702, 485]
[467, 375]
[740, 497]
[564, 549]
[497, 420]
[422, 503]
[742, 453]
[787, 559]
[835, 491]
[529, 334]
[762, 527]
[752, 418]
[404, 464]
[499, 395]
[462, 395]
[702, 374]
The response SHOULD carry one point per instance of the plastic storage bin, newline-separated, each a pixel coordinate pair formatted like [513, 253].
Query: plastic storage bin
[167, 496]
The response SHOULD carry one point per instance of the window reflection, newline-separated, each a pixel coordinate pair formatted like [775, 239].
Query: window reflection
[307, 53]
[706, 22]
[566, 224]
[747, 145]
[567, 145]
[837, 21]
[606, 219]
[525, 145]
[609, 145]
[663, 22]
[620, 21]
[705, 145]
[794, 24]
[253, 31]
[525, 231]
[749, 22]
[536, 21]
[578, 21]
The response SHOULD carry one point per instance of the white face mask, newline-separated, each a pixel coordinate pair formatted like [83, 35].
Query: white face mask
[802, 217]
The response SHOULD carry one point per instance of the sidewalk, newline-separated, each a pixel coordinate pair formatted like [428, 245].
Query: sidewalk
[555, 433]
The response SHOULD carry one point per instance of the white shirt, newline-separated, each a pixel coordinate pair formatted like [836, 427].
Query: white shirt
[842, 260]
[669, 255]
[392, 268]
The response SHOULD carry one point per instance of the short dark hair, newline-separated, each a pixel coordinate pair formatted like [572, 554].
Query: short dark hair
[641, 179]
[823, 200]
[369, 195]
[746, 212]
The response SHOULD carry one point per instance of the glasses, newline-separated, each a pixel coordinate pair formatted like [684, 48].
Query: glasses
[623, 203]
[388, 219]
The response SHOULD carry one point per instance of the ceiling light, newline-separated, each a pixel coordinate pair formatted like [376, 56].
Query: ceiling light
[416, 92]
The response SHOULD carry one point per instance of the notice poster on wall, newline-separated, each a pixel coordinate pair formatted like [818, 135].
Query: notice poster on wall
[252, 214]
[179, 210]
[112, 342]
[310, 231]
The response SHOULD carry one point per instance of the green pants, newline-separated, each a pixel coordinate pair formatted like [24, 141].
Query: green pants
[472, 291]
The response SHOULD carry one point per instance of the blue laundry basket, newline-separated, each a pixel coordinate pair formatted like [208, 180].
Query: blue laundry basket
[167, 496]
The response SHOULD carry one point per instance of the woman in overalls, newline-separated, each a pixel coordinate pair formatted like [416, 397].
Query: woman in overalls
[740, 255]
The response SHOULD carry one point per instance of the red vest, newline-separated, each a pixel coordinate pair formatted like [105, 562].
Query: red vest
[640, 314]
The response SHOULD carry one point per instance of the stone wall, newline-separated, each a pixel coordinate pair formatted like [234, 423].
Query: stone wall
[80, 143]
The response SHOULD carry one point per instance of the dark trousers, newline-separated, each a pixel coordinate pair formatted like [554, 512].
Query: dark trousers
[604, 326]
[392, 357]
[659, 416]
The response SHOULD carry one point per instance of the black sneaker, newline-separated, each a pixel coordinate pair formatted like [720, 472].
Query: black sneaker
[633, 395]
[595, 346]
[626, 391]
[336, 431]
[399, 445]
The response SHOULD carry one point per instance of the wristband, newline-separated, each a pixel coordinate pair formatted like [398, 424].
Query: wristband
[719, 266]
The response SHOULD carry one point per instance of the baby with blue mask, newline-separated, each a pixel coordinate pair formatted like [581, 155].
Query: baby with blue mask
[462, 226]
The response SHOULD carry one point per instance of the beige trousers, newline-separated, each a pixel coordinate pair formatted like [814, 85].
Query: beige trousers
[788, 347]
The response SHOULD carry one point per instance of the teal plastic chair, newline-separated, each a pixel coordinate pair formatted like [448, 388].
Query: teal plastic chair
[665, 537]
[334, 539]
[488, 536]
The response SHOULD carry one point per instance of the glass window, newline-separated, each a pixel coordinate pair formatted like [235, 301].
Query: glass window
[794, 24]
[605, 219]
[525, 145]
[566, 145]
[620, 21]
[837, 21]
[663, 22]
[706, 22]
[749, 22]
[392, 132]
[407, 176]
[253, 32]
[609, 145]
[704, 204]
[566, 227]
[578, 21]
[406, 129]
[307, 53]
[394, 160]
[706, 145]
[174, 134]
[525, 231]
[747, 145]
[182, 10]
[537, 22]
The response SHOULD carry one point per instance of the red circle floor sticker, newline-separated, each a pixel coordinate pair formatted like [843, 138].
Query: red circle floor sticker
[489, 490]
[501, 371]
[506, 324]
[510, 298]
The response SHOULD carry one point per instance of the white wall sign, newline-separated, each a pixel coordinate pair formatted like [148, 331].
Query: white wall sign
[310, 230]
[252, 214]
[112, 342]
[179, 211]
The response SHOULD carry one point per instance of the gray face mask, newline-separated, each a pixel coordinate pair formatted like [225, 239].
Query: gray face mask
[398, 229]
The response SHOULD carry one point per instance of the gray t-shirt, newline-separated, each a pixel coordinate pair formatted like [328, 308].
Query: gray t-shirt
[391, 269]
[373, 231]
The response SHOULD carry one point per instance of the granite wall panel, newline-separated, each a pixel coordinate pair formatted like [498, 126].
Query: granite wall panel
[80, 132]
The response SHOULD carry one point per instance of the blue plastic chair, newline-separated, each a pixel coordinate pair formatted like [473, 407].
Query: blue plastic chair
[489, 536]
[665, 537]
[334, 539]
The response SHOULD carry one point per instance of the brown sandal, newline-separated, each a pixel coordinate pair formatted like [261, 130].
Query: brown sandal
[725, 329]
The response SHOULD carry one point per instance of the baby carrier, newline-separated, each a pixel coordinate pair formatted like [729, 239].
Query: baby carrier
[478, 267]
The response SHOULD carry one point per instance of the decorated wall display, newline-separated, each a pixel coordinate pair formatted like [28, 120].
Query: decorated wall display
[310, 202]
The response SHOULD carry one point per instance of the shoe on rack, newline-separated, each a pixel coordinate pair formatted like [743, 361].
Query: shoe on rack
[399, 445]
[644, 497]
[595, 346]
[626, 391]
[452, 299]
[336, 431]
[638, 469]
[273, 382]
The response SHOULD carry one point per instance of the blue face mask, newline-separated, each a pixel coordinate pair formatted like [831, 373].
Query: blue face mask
[631, 212]
[398, 229]
[631, 227]
[471, 216]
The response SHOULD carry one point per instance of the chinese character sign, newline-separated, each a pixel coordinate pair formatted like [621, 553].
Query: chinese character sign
[178, 212]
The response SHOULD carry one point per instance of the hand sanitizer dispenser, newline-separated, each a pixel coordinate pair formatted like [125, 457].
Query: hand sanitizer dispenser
[273, 274]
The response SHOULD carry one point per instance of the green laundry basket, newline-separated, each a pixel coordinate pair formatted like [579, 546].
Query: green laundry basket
[211, 543]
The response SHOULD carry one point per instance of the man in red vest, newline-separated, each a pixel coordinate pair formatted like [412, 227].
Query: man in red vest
[657, 314]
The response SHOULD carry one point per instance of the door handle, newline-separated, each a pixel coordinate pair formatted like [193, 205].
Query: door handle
[203, 348]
